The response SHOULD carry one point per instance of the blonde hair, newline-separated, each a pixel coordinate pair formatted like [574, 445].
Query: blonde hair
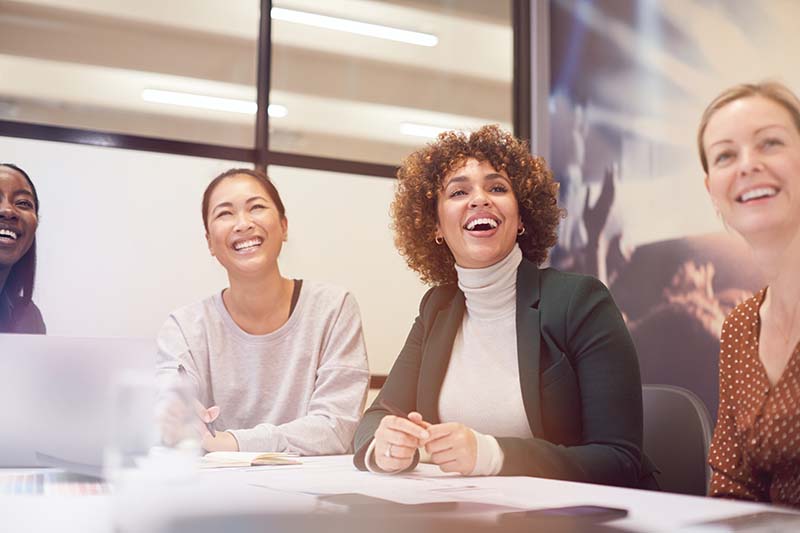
[771, 90]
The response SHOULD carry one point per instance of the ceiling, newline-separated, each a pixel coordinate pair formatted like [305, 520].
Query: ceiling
[85, 63]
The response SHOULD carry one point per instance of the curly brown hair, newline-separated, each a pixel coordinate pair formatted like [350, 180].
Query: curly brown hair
[420, 181]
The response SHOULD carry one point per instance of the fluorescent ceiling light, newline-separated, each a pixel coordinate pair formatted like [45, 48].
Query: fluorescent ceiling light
[423, 130]
[277, 111]
[233, 105]
[352, 26]
[215, 103]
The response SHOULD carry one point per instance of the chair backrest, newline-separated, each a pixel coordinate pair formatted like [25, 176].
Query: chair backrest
[677, 433]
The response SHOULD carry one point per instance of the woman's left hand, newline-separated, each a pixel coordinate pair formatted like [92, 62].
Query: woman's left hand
[453, 447]
[223, 442]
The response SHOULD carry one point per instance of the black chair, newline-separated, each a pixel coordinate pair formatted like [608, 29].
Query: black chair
[677, 433]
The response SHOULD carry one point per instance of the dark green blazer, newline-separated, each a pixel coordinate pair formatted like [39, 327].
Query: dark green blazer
[578, 372]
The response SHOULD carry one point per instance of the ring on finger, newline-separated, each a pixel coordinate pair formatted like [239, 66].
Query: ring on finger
[388, 452]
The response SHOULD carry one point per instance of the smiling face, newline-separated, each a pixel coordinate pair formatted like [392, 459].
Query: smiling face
[245, 230]
[18, 219]
[753, 150]
[478, 214]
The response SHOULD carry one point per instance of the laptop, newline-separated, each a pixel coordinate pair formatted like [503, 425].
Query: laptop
[57, 397]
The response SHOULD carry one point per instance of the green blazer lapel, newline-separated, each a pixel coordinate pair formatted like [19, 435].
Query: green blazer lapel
[528, 342]
[436, 356]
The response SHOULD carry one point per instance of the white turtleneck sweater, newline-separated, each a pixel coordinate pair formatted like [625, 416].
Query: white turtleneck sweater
[481, 388]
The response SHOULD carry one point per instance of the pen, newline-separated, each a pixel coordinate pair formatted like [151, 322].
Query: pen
[398, 412]
[209, 425]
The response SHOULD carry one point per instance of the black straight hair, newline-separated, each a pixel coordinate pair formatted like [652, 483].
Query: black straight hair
[261, 177]
[18, 287]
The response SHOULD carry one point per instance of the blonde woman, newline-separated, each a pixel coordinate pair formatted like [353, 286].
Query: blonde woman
[749, 142]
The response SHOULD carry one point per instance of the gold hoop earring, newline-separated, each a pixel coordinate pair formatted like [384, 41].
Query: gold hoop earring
[521, 231]
[438, 240]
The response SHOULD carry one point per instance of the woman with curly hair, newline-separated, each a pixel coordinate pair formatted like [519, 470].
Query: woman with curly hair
[509, 369]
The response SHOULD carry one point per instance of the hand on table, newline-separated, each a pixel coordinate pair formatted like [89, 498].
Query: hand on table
[177, 424]
[223, 442]
[397, 440]
[453, 447]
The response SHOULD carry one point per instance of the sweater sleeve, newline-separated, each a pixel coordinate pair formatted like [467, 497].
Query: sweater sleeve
[173, 350]
[489, 457]
[609, 392]
[336, 403]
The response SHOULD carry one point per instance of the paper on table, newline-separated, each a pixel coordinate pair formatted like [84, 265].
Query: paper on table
[234, 459]
[338, 475]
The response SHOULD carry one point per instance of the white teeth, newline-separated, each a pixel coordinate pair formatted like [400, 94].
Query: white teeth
[246, 244]
[761, 192]
[490, 221]
[8, 233]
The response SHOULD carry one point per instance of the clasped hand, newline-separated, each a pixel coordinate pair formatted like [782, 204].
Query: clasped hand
[452, 445]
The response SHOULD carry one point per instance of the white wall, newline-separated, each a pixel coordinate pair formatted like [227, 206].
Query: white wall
[121, 240]
[339, 232]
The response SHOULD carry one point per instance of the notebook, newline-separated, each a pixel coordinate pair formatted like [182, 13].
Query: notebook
[234, 459]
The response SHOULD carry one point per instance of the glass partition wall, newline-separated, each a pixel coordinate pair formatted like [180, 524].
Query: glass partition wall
[291, 82]
[327, 96]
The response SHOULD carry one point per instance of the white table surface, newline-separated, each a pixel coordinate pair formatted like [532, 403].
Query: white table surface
[146, 504]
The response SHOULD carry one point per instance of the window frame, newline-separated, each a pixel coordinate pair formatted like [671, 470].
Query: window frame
[261, 156]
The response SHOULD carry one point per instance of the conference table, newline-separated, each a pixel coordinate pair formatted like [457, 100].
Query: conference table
[323, 486]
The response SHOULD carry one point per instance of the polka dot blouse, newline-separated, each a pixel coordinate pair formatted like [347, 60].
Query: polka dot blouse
[755, 452]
